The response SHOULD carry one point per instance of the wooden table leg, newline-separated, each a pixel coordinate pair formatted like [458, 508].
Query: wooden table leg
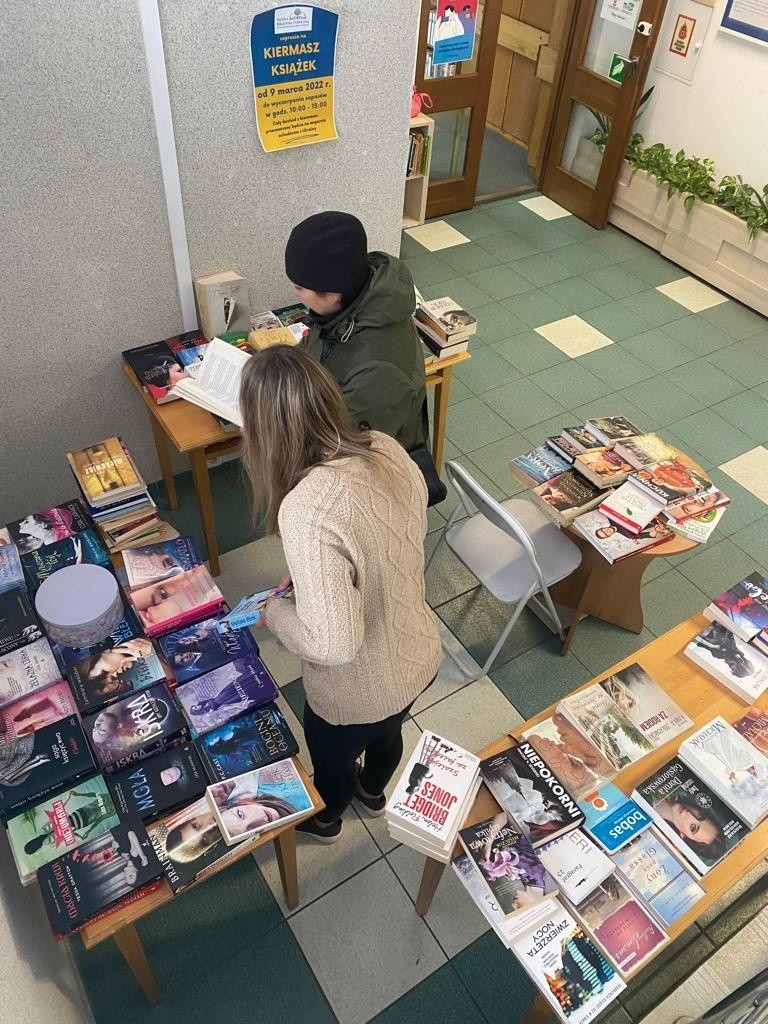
[440, 416]
[129, 944]
[163, 450]
[202, 483]
[539, 1012]
[430, 879]
[285, 851]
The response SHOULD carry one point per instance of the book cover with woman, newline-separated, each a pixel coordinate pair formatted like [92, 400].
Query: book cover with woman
[259, 800]
[225, 693]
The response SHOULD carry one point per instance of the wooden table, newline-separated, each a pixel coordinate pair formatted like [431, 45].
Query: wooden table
[121, 925]
[702, 699]
[195, 432]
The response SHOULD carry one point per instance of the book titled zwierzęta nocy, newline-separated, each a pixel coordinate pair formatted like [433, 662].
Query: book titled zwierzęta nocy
[530, 793]
[159, 784]
[19, 625]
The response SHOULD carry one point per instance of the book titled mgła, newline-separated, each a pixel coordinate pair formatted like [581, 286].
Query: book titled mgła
[250, 804]
[176, 602]
[204, 646]
[134, 728]
[106, 676]
[251, 741]
[221, 695]
[159, 784]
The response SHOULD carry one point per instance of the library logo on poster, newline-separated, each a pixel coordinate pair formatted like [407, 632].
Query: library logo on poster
[293, 19]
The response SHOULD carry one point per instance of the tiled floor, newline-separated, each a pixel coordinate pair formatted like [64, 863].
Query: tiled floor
[355, 950]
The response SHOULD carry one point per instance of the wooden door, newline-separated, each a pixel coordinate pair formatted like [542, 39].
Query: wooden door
[459, 92]
[595, 114]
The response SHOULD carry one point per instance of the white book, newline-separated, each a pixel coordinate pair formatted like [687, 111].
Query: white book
[629, 507]
[729, 659]
[734, 769]
[439, 850]
[576, 864]
[216, 386]
[646, 704]
[249, 804]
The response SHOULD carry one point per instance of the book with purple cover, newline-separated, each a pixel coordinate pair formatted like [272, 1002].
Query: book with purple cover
[225, 693]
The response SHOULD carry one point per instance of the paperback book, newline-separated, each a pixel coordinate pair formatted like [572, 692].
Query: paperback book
[576, 865]
[189, 844]
[619, 922]
[294, 314]
[611, 818]
[669, 481]
[255, 739]
[566, 496]
[203, 647]
[581, 438]
[128, 628]
[35, 710]
[105, 472]
[158, 785]
[19, 625]
[602, 467]
[644, 450]
[84, 881]
[11, 573]
[617, 738]
[449, 317]
[248, 610]
[41, 764]
[27, 669]
[737, 665]
[743, 608]
[188, 348]
[576, 979]
[164, 607]
[153, 563]
[84, 548]
[655, 873]
[753, 726]
[225, 693]
[135, 727]
[530, 793]
[615, 541]
[698, 528]
[609, 429]
[731, 767]
[572, 757]
[630, 508]
[537, 466]
[647, 706]
[157, 368]
[102, 678]
[48, 525]
[59, 824]
[249, 804]
[688, 813]
[564, 447]
[695, 505]
[216, 384]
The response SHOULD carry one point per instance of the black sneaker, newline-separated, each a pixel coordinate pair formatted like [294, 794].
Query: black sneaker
[374, 806]
[312, 830]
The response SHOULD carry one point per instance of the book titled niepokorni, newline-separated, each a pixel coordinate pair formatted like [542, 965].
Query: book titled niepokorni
[107, 676]
[134, 728]
[84, 548]
[221, 695]
[11, 573]
[48, 525]
[42, 764]
[251, 741]
[19, 625]
[202, 647]
[152, 563]
[128, 628]
[159, 784]
[79, 884]
[26, 669]
[531, 794]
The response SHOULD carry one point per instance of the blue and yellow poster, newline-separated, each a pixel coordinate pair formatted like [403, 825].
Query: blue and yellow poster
[293, 54]
[454, 31]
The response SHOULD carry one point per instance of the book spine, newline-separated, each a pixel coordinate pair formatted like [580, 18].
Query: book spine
[126, 901]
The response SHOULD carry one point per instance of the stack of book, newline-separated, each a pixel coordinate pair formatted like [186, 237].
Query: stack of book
[162, 364]
[115, 494]
[443, 326]
[432, 796]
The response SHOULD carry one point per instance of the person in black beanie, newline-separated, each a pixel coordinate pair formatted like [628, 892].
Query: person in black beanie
[361, 330]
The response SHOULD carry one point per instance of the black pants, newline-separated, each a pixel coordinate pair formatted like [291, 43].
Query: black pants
[334, 750]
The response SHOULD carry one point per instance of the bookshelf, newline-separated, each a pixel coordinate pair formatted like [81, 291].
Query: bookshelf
[417, 184]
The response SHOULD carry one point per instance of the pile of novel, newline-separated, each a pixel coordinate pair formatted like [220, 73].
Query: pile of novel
[114, 493]
[432, 796]
[443, 326]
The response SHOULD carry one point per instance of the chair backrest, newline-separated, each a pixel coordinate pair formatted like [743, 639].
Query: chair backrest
[468, 489]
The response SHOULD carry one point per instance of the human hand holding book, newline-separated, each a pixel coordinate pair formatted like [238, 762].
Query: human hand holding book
[216, 385]
[249, 611]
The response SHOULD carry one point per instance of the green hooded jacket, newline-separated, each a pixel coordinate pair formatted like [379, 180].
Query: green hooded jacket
[375, 355]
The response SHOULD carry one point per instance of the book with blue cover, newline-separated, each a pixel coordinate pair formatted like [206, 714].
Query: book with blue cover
[255, 739]
[611, 818]
[224, 694]
[259, 800]
[11, 573]
[658, 876]
[153, 563]
[204, 646]
[19, 625]
[106, 676]
[537, 466]
[84, 548]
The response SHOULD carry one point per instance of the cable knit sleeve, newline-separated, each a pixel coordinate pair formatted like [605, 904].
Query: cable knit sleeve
[325, 624]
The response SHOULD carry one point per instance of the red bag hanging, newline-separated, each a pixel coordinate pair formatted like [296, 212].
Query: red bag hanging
[420, 101]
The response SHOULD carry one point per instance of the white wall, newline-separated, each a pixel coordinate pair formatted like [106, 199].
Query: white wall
[723, 113]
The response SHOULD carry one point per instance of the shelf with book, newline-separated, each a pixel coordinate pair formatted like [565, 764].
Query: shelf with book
[418, 162]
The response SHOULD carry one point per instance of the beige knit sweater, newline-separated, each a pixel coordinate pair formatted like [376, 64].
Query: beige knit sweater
[353, 535]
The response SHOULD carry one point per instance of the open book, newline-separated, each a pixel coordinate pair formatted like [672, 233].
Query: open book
[216, 385]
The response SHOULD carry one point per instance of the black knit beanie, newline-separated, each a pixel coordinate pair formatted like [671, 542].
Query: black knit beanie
[328, 252]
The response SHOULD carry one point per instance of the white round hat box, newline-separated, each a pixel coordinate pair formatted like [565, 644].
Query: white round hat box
[79, 605]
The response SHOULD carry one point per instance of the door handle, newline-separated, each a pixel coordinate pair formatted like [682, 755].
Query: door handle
[631, 65]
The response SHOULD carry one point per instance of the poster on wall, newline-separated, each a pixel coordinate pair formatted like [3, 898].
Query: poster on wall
[454, 37]
[682, 35]
[293, 56]
[747, 18]
[622, 12]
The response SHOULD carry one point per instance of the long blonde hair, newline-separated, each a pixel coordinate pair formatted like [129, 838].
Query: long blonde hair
[294, 417]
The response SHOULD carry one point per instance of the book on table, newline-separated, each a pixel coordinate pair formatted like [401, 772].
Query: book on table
[646, 704]
[264, 321]
[581, 438]
[105, 472]
[605, 725]
[35, 710]
[296, 313]
[216, 386]
[158, 366]
[602, 467]
[49, 524]
[576, 864]
[27, 669]
[83, 549]
[656, 873]
[730, 766]
[743, 608]
[266, 338]
[692, 506]
[616, 542]
[225, 693]
[690, 814]
[644, 450]
[189, 845]
[103, 678]
[128, 628]
[19, 624]
[189, 348]
[265, 798]
[669, 481]
[566, 965]
[159, 784]
[572, 757]
[610, 429]
[729, 659]
[11, 573]
[530, 793]
[253, 740]
[153, 563]
[629, 507]
[566, 496]
[753, 726]
[179, 601]
[564, 447]
[537, 466]
[194, 650]
[612, 818]
[97, 874]
[447, 318]
[438, 347]
[698, 528]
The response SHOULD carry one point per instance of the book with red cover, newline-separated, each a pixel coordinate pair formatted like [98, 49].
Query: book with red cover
[669, 480]
[170, 604]
[625, 930]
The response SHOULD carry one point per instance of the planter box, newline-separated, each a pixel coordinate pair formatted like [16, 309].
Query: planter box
[709, 242]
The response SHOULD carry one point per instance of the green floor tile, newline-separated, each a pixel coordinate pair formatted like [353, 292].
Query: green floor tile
[507, 246]
[576, 294]
[467, 258]
[522, 403]
[655, 307]
[720, 563]
[529, 352]
[113, 994]
[617, 246]
[475, 223]
[615, 281]
[442, 989]
[658, 349]
[705, 382]
[669, 600]
[758, 343]
[716, 438]
[744, 510]
[496, 323]
[581, 259]
[542, 269]
[428, 269]
[742, 363]
[616, 367]
[461, 290]
[578, 229]
[409, 247]
[736, 320]
[294, 691]
[616, 320]
[535, 309]
[617, 404]
[447, 578]
[539, 432]
[477, 620]
[500, 282]
[598, 645]
[753, 539]
[570, 382]
[698, 334]
[540, 677]
[545, 236]
[459, 392]
[472, 423]
[653, 269]
[493, 460]
[486, 370]
[661, 399]
[495, 979]
[747, 411]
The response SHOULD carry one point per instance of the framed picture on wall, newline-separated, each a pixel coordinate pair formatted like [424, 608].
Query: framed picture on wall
[747, 18]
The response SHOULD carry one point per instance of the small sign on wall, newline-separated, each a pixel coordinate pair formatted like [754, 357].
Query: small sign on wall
[681, 38]
[748, 18]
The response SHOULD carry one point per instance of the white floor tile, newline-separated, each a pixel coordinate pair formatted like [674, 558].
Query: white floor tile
[472, 717]
[692, 294]
[545, 208]
[574, 336]
[438, 234]
[751, 471]
[366, 944]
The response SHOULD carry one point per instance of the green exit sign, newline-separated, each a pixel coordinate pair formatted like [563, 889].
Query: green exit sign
[618, 67]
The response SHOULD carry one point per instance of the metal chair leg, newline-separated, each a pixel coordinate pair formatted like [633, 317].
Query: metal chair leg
[553, 612]
[500, 642]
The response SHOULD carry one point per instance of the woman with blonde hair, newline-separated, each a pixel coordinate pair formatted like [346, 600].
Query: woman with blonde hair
[350, 507]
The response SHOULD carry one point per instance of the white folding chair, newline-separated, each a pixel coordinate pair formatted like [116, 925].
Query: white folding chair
[513, 549]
